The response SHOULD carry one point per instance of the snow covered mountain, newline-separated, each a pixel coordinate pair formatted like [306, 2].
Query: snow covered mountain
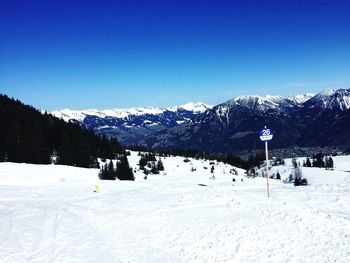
[310, 120]
[129, 125]
[331, 100]
[302, 120]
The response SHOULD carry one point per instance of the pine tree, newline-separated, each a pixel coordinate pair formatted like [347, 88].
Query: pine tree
[124, 172]
[278, 176]
[154, 169]
[103, 175]
[318, 160]
[329, 162]
[297, 176]
[308, 163]
[160, 166]
[142, 162]
[110, 172]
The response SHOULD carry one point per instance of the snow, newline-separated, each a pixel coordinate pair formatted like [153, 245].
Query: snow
[198, 107]
[51, 214]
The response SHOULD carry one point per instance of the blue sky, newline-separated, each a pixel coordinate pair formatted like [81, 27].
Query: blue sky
[111, 54]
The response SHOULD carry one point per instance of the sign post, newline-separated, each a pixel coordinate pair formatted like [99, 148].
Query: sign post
[265, 136]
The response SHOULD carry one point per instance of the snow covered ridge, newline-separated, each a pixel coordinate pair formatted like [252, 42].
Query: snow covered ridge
[327, 99]
[270, 102]
[332, 99]
[80, 115]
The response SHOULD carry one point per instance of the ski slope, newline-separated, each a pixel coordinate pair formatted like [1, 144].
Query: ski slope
[52, 214]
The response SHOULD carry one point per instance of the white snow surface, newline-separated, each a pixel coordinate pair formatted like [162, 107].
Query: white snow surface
[51, 214]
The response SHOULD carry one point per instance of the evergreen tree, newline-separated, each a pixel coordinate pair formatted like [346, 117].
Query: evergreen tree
[124, 172]
[308, 163]
[297, 176]
[151, 157]
[160, 166]
[278, 176]
[110, 172]
[329, 162]
[154, 169]
[318, 160]
[103, 175]
[142, 162]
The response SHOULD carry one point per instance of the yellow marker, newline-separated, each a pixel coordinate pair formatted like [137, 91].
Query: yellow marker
[97, 188]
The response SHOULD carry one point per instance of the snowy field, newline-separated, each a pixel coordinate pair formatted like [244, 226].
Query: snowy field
[51, 214]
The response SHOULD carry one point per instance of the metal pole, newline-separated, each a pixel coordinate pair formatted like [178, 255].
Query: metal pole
[267, 170]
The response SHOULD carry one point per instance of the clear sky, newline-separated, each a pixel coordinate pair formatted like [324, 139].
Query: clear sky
[110, 54]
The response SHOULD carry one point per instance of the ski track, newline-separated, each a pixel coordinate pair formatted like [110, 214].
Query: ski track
[173, 219]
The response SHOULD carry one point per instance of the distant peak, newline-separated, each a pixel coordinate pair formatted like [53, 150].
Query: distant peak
[333, 99]
[326, 93]
[258, 97]
[257, 101]
[300, 99]
[195, 107]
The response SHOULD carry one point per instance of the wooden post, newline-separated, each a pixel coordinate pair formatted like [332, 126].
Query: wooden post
[267, 170]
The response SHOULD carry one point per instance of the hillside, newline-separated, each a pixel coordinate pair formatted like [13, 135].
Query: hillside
[51, 214]
[28, 135]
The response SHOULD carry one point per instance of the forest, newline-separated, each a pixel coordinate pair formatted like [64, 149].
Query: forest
[30, 136]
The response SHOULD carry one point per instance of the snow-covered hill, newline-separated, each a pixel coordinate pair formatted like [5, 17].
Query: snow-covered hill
[51, 214]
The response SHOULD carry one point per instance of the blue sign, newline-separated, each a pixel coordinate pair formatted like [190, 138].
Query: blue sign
[266, 135]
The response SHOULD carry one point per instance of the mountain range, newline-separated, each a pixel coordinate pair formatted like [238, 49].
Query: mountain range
[303, 120]
[134, 124]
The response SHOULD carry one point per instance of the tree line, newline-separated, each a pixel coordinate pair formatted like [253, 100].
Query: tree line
[30, 136]
[254, 159]
[319, 160]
